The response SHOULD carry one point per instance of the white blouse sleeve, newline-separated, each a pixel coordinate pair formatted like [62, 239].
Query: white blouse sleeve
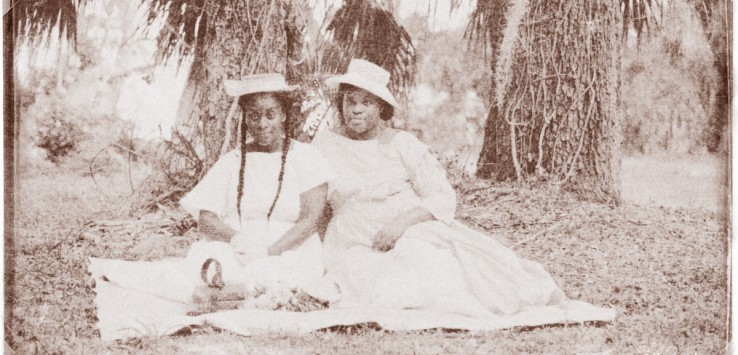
[427, 177]
[212, 192]
[314, 168]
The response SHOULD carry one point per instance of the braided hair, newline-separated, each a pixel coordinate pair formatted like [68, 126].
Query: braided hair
[286, 102]
[285, 149]
[242, 168]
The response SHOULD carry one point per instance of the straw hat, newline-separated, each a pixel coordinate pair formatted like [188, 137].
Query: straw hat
[368, 76]
[257, 83]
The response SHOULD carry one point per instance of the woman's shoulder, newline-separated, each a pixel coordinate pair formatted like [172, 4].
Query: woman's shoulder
[404, 139]
[232, 157]
[324, 135]
[399, 134]
[295, 146]
[305, 149]
[327, 140]
[308, 161]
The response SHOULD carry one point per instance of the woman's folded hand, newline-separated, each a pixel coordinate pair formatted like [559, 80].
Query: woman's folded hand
[389, 234]
[392, 231]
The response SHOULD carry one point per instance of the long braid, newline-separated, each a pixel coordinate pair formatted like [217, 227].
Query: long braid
[285, 149]
[242, 169]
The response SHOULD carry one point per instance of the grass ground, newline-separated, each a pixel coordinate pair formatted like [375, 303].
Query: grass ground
[696, 182]
[663, 268]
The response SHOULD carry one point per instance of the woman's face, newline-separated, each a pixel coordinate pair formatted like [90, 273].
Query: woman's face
[361, 114]
[265, 118]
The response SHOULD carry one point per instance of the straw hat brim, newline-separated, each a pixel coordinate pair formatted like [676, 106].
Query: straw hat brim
[239, 88]
[354, 79]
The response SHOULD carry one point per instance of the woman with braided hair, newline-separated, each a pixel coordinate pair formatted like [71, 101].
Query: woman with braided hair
[257, 207]
[265, 198]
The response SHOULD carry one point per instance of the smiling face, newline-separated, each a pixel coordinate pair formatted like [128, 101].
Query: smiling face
[361, 114]
[265, 116]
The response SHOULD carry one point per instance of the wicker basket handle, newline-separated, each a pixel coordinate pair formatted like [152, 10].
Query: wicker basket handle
[217, 280]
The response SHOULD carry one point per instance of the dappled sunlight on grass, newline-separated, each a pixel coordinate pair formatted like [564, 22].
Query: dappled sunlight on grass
[696, 182]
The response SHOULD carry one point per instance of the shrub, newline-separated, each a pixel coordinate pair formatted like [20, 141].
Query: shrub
[668, 90]
[58, 135]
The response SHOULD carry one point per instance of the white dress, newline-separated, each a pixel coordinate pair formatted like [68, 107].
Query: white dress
[439, 275]
[244, 260]
[439, 265]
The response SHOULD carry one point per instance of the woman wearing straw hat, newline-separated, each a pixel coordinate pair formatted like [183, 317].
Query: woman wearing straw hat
[257, 206]
[266, 197]
[392, 242]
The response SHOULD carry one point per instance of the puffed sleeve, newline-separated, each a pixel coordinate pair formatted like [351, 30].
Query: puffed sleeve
[212, 192]
[315, 170]
[427, 177]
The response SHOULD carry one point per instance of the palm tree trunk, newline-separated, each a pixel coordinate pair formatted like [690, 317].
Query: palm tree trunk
[249, 39]
[717, 20]
[558, 110]
[10, 142]
[241, 38]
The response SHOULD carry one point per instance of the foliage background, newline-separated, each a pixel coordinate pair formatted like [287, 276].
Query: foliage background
[668, 90]
[660, 259]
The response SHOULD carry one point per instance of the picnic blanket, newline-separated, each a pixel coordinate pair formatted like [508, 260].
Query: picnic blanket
[132, 311]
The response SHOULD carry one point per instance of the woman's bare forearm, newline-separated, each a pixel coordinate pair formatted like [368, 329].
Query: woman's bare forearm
[414, 216]
[209, 224]
[294, 237]
[312, 204]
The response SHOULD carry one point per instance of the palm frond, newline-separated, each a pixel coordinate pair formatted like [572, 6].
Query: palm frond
[183, 24]
[35, 20]
[363, 29]
[709, 8]
[645, 16]
[486, 24]
[642, 15]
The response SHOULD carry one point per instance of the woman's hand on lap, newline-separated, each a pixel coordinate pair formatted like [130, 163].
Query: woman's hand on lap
[387, 237]
[392, 231]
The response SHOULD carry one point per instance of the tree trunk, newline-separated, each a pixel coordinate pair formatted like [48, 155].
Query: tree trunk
[557, 110]
[11, 104]
[717, 20]
[241, 38]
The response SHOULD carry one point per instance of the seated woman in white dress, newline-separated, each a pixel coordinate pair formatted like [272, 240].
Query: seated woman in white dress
[392, 241]
[265, 198]
[257, 206]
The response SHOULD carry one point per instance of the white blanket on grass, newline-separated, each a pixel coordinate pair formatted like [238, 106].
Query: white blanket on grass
[125, 312]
